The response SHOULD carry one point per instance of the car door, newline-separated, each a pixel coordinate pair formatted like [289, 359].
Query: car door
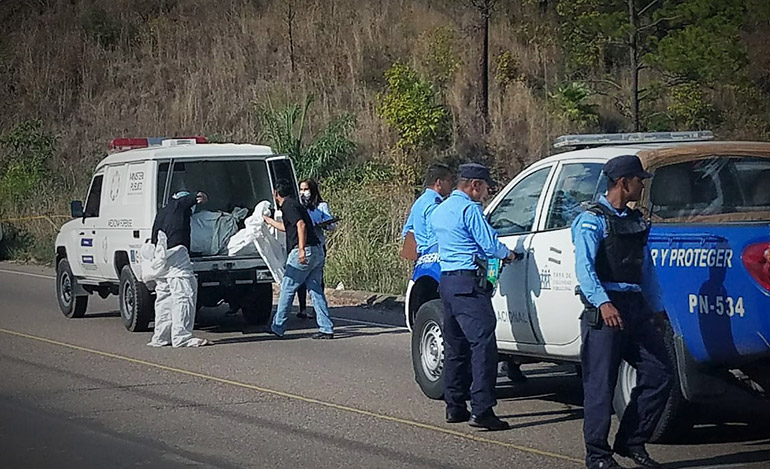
[554, 307]
[514, 217]
[90, 230]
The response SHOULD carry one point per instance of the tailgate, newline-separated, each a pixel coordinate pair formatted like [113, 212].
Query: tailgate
[716, 287]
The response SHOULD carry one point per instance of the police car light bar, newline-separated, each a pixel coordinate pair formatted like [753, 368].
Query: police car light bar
[121, 144]
[590, 140]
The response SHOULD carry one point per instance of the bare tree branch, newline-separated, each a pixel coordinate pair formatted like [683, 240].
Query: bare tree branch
[649, 5]
[657, 22]
[605, 81]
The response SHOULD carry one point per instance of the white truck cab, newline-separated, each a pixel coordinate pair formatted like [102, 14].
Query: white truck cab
[98, 251]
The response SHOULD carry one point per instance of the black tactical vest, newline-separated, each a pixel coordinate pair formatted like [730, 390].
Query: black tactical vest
[621, 253]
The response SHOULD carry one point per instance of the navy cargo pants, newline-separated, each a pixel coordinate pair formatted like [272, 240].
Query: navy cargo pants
[470, 347]
[602, 350]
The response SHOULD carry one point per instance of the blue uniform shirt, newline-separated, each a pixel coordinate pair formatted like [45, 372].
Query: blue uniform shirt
[462, 232]
[419, 220]
[588, 231]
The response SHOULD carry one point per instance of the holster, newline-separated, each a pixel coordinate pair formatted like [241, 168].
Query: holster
[481, 274]
[591, 314]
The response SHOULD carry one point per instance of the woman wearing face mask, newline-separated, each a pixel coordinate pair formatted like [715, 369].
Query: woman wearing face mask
[310, 197]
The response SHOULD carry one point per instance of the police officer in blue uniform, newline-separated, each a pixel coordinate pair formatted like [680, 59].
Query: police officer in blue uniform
[619, 287]
[466, 240]
[438, 184]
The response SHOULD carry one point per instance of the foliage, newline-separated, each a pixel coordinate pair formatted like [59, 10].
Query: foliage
[441, 60]
[364, 250]
[327, 152]
[689, 109]
[104, 28]
[25, 151]
[570, 104]
[412, 107]
[507, 69]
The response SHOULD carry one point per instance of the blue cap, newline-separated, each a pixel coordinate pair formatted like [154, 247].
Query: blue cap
[625, 166]
[476, 171]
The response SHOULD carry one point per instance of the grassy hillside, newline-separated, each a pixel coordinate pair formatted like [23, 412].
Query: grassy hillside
[76, 73]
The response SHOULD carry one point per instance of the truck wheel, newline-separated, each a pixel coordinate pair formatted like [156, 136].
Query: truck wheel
[136, 305]
[71, 305]
[674, 420]
[257, 304]
[428, 349]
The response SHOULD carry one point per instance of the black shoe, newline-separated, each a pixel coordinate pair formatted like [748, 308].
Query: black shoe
[606, 463]
[302, 315]
[322, 336]
[488, 421]
[458, 415]
[639, 455]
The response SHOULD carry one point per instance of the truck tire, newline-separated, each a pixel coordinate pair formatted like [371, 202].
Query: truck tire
[674, 420]
[71, 305]
[428, 349]
[136, 305]
[257, 304]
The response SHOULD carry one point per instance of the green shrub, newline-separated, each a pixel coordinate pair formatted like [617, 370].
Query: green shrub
[25, 152]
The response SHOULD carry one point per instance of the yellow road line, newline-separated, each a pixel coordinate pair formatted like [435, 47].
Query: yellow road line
[296, 397]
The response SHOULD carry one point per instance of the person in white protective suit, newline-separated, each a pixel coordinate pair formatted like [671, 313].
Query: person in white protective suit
[176, 287]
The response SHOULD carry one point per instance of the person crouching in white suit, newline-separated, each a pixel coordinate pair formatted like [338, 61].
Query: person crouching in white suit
[176, 288]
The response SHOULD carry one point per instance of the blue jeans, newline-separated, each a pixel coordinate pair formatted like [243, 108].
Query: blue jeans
[310, 274]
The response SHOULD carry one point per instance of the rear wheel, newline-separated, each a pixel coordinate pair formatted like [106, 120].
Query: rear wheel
[71, 305]
[136, 305]
[428, 349]
[674, 419]
[257, 304]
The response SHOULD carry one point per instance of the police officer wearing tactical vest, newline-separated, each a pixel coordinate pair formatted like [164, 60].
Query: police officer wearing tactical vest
[465, 243]
[619, 287]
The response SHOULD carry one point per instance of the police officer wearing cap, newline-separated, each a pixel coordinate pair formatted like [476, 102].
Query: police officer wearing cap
[465, 241]
[618, 285]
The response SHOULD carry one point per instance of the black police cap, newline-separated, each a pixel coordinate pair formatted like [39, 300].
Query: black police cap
[625, 166]
[476, 171]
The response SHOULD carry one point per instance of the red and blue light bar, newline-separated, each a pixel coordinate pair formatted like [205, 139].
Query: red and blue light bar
[121, 144]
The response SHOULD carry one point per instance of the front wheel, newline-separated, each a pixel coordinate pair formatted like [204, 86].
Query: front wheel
[428, 349]
[674, 420]
[71, 305]
[136, 305]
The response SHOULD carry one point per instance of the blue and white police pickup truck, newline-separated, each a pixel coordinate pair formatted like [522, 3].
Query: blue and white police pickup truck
[709, 202]
[98, 251]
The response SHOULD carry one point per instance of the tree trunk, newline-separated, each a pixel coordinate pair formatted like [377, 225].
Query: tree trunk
[483, 94]
[634, 55]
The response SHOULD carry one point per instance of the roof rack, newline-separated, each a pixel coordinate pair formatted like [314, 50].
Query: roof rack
[592, 140]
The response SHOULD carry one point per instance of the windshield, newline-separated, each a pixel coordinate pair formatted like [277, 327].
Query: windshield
[229, 184]
[711, 186]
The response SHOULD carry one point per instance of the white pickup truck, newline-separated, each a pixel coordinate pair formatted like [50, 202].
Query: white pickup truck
[710, 206]
[98, 251]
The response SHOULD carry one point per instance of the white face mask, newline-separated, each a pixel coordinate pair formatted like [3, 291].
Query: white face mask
[304, 195]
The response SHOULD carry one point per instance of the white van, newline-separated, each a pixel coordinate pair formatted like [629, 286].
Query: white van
[98, 251]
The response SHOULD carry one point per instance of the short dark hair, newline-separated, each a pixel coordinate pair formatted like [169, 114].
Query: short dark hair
[284, 187]
[435, 172]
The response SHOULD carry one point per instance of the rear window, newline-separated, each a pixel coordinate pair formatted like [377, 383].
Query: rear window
[229, 184]
[711, 186]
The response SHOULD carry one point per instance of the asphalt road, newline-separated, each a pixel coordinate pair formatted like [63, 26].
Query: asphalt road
[87, 393]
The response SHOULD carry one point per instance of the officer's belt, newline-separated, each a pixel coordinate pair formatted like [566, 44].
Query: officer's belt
[464, 273]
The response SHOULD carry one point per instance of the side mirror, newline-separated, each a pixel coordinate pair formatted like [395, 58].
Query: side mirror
[76, 209]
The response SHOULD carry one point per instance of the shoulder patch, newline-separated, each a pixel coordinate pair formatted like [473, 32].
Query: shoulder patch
[589, 226]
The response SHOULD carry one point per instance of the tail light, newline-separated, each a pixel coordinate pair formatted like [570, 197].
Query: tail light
[756, 260]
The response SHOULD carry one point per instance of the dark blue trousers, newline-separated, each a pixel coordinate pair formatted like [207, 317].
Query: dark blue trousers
[602, 350]
[470, 346]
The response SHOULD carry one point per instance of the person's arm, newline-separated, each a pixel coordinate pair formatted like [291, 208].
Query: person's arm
[301, 235]
[323, 207]
[278, 225]
[484, 235]
[408, 226]
[587, 235]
